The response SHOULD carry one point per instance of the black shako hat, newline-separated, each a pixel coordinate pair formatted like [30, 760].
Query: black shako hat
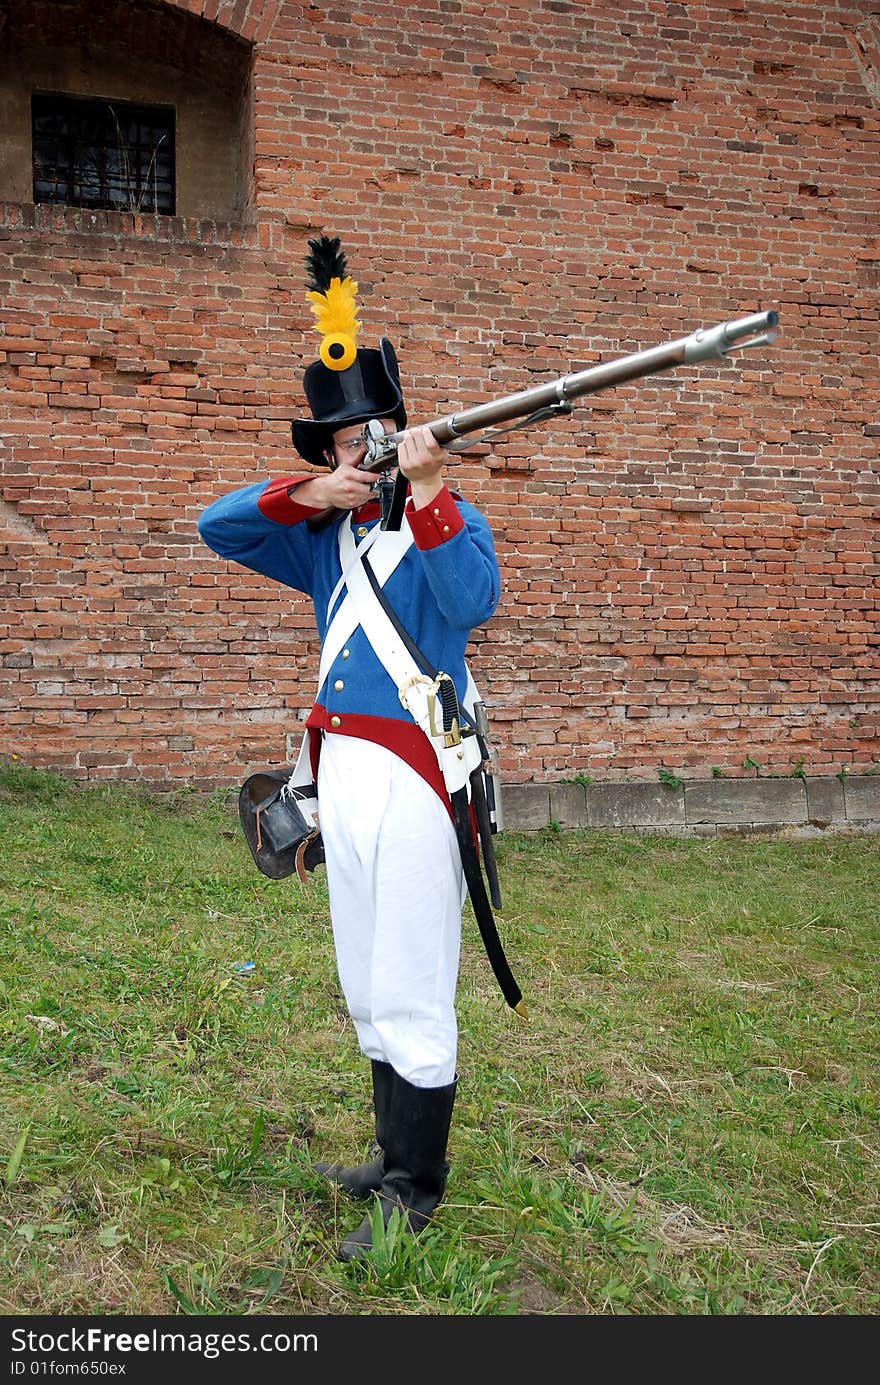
[348, 384]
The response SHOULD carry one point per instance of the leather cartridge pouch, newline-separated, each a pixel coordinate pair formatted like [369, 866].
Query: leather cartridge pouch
[280, 824]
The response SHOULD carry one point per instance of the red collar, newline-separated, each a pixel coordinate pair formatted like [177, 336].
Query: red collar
[367, 513]
[370, 510]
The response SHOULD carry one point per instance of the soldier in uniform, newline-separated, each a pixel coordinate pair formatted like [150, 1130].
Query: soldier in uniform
[394, 867]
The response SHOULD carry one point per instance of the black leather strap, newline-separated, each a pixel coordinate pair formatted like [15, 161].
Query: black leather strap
[392, 498]
[470, 862]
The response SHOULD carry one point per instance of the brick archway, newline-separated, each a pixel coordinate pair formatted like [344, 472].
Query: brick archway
[251, 20]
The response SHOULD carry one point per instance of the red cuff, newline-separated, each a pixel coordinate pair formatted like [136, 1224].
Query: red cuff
[436, 522]
[276, 504]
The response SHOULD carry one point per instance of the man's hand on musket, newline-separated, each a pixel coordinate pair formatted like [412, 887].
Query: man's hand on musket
[347, 487]
[348, 484]
[422, 459]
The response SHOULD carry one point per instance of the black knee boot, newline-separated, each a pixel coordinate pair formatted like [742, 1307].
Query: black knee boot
[414, 1178]
[367, 1178]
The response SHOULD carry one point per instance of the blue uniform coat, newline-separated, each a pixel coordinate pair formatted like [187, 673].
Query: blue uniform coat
[446, 584]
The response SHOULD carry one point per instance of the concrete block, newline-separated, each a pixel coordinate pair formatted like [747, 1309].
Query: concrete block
[634, 805]
[769, 802]
[825, 802]
[568, 805]
[717, 807]
[862, 797]
[526, 807]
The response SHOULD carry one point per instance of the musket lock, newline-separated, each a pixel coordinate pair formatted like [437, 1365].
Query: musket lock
[381, 446]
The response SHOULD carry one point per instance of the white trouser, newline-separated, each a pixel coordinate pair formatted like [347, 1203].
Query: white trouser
[396, 893]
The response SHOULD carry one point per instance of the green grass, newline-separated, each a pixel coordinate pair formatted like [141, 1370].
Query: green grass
[688, 1125]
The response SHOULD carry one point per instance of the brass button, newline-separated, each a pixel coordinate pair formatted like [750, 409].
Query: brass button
[437, 512]
[336, 721]
[345, 653]
[338, 685]
[446, 528]
[362, 531]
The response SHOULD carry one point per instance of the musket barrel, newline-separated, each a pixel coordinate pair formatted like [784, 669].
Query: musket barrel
[599, 377]
[709, 343]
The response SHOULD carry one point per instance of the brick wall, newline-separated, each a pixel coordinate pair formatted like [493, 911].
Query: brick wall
[690, 563]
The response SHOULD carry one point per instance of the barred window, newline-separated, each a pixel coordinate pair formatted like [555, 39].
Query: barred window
[110, 154]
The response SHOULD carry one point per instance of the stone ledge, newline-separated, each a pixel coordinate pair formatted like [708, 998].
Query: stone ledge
[139, 226]
[776, 802]
[616, 805]
[800, 807]
[861, 795]
[526, 807]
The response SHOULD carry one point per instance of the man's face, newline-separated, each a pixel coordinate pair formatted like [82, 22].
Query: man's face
[349, 445]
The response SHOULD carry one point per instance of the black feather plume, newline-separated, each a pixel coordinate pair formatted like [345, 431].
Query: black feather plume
[325, 262]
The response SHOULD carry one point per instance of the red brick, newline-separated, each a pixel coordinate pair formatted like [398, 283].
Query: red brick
[690, 563]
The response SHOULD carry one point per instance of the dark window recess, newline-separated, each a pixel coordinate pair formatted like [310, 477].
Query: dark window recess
[103, 154]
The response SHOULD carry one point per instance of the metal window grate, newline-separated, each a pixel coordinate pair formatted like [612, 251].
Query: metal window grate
[110, 154]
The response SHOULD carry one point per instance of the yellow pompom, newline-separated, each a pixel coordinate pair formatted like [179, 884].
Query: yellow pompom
[338, 351]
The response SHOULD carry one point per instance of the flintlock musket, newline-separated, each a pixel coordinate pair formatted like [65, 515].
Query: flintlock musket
[551, 400]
